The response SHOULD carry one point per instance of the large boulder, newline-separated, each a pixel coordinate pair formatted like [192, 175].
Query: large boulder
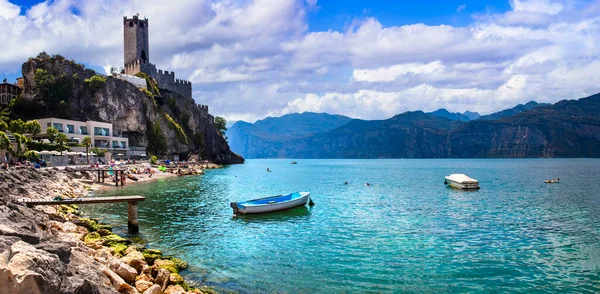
[162, 278]
[155, 289]
[124, 270]
[25, 269]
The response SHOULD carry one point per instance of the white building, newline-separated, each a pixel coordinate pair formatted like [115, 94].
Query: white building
[101, 133]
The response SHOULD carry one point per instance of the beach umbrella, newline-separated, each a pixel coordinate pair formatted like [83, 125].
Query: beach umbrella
[120, 154]
[55, 153]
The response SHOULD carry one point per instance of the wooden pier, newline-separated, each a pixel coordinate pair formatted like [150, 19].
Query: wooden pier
[102, 175]
[132, 207]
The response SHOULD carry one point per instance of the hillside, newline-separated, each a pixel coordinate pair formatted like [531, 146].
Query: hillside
[569, 128]
[57, 87]
[466, 116]
[264, 138]
[512, 111]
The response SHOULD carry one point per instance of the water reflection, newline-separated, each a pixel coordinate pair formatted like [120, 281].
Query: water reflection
[297, 214]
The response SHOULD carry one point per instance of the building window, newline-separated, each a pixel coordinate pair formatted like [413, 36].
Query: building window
[48, 125]
[83, 130]
[123, 144]
[70, 129]
[115, 144]
[100, 143]
[58, 126]
[106, 131]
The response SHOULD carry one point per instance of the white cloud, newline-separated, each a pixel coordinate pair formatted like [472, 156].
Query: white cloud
[251, 58]
[539, 6]
[391, 73]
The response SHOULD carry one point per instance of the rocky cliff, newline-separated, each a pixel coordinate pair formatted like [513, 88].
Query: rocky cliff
[56, 87]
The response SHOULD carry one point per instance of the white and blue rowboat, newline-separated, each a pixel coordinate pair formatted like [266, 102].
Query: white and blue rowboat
[270, 204]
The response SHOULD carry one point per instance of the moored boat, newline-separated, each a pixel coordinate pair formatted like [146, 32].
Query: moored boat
[272, 203]
[461, 181]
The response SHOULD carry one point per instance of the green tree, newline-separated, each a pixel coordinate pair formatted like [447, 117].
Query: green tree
[4, 141]
[20, 141]
[51, 133]
[87, 141]
[157, 142]
[33, 127]
[3, 126]
[221, 125]
[16, 126]
[61, 140]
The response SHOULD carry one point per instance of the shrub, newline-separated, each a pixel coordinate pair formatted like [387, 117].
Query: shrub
[177, 129]
[96, 82]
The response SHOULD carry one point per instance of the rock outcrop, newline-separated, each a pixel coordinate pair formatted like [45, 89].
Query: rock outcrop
[49, 249]
[63, 92]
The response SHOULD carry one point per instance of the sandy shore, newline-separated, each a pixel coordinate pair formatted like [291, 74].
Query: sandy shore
[53, 249]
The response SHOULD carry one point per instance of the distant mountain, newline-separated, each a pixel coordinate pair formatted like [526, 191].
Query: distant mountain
[457, 116]
[264, 138]
[512, 111]
[569, 128]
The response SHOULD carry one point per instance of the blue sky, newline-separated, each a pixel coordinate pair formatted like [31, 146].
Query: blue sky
[248, 59]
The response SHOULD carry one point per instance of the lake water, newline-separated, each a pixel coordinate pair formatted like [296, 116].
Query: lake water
[407, 232]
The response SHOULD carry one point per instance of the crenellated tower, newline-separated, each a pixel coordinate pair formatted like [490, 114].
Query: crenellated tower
[137, 45]
[137, 57]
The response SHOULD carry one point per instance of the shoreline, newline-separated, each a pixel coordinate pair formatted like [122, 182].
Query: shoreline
[100, 260]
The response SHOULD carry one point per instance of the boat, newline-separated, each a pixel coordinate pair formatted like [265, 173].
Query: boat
[293, 162]
[461, 181]
[272, 203]
[552, 181]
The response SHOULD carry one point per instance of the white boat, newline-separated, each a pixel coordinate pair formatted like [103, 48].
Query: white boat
[270, 204]
[461, 181]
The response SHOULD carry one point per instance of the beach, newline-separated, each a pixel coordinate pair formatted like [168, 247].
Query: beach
[54, 249]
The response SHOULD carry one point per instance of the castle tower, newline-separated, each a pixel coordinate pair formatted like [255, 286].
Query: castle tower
[136, 40]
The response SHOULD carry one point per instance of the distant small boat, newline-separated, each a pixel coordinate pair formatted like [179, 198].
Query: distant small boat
[270, 204]
[552, 181]
[293, 162]
[461, 181]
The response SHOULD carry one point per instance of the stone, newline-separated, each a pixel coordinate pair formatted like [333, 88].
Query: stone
[174, 289]
[166, 264]
[7, 241]
[23, 234]
[62, 250]
[116, 281]
[142, 285]
[155, 289]
[25, 269]
[162, 278]
[123, 270]
[82, 268]
[175, 279]
[145, 277]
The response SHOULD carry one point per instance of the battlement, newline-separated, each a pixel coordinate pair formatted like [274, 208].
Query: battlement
[203, 109]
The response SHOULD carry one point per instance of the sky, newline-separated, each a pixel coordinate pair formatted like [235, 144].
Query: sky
[250, 59]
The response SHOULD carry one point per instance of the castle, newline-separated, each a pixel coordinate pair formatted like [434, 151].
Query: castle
[137, 57]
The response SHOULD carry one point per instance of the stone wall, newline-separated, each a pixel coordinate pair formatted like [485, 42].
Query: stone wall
[166, 80]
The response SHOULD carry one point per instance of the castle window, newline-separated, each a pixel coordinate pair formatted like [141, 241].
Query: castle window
[144, 58]
[131, 24]
[141, 25]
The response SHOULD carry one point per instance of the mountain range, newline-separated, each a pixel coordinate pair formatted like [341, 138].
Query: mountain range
[569, 128]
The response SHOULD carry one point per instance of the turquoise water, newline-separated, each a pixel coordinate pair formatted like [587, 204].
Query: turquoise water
[407, 232]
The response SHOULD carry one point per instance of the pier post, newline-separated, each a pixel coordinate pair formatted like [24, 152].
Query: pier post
[132, 217]
[116, 178]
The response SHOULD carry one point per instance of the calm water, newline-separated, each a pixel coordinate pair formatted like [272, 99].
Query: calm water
[407, 232]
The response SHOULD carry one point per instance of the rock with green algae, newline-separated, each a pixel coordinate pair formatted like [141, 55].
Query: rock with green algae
[116, 243]
[91, 237]
[166, 264]
[151, 255]
[176, 279]
[91, 225]
[179, 263]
